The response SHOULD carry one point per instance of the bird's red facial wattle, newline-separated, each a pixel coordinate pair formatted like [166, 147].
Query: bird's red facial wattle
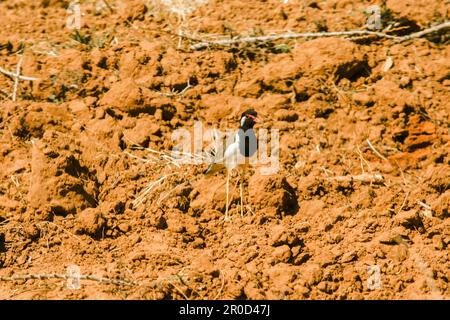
[255, 119]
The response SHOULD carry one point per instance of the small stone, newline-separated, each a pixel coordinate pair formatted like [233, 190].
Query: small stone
[387, 64]
[198, 243]
[159, 222]
[349, 257]
[91, 222]
[296, 250]
[109, 233]
[135, 239]
[22, 259]
[193, 229]
[124, 227]
[281, 254]
[414, 142]
[408, 219]
[137, 256]
[76, 127]
[446, 241]
[175, 225]
[404, 81]
[141, 132]
[323, 286]
[326, 258]
[32, 232]
[441, 206]
[250, 256]
[408, 278]
[282, 236]
[399, 286]
[99, 113]
[286, 115]
[302, 290]
[380, 254]
[115, 207]
[56, 241]
[376, 132]
[209, 215]
[394, 236]
[78, 106]
[399, 253]
[313, 275]
[278, 237]
[303, 227]
[301, 258]
[253, 291]
[362, 99]
[438, 243]
[187, 238]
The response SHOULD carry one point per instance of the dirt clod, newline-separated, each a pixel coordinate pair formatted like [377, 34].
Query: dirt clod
[91, 222]
[281, 254]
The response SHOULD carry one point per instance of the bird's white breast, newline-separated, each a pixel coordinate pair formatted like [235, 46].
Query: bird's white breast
[232, 156]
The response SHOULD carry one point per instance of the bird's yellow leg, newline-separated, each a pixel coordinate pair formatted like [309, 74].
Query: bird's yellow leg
[228, 191]
[241, 178]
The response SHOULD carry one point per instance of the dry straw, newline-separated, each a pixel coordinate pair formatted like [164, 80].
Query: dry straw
[225, 42]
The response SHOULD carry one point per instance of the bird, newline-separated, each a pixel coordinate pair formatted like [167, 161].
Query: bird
[237, 154]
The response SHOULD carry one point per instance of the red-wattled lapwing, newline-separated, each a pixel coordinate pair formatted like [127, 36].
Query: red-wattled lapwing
[237, 154]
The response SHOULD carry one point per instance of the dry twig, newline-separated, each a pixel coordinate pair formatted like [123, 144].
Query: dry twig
[14, 75]
[17, 77]
[221, 287]
[361, 157]
[205, 44]
[47, 276]
[274, 37]
[174, 93]
[424, 205]
[165, 160]
[427, 210]
[424, 32]
[360, 178]
[404, 202]
[16, 80]
[143, 195]
[375, 150]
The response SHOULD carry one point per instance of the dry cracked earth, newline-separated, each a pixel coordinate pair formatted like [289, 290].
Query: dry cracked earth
[79, 143]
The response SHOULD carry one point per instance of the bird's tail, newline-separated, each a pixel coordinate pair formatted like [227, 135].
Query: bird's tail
[209, 169]
[215, 154]
[213, 168]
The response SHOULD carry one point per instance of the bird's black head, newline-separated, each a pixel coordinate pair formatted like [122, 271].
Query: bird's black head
[248, 119]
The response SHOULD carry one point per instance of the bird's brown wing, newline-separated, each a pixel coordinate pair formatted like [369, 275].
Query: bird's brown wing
[213, 168]
[216, 153]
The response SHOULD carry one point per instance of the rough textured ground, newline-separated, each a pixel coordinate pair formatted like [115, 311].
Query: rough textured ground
[68, 179]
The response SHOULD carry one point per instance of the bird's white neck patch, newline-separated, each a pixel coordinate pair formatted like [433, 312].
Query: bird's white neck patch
[244, 118]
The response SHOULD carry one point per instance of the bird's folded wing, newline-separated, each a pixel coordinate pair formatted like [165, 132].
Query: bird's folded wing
[213, 168]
